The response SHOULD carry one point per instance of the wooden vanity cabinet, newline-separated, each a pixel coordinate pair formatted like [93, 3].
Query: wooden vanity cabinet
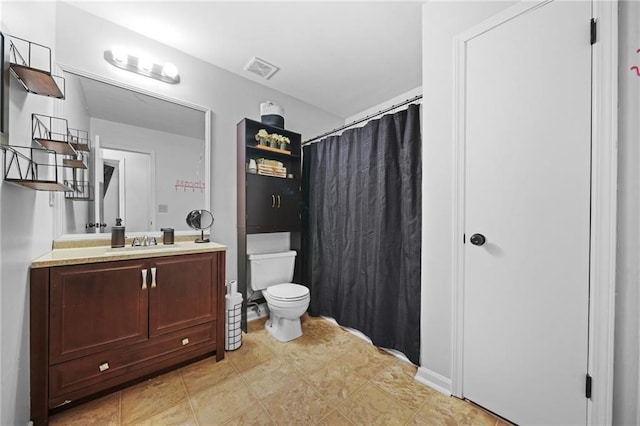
[100, 325]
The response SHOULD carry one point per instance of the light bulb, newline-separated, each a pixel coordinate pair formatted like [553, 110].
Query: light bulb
[170, 70]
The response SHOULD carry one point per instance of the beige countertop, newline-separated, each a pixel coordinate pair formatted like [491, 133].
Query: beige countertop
[104, 253]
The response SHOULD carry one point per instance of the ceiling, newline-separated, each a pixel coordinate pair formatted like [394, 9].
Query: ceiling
[343, 57]
[112, 103]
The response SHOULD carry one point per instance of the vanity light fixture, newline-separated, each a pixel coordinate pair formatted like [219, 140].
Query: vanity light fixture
[118, 57]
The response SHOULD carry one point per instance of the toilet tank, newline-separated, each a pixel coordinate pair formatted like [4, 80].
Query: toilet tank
[267, 269]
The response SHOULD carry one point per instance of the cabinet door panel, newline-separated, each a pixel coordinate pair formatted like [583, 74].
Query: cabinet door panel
[96, 306]
[261, 201]
[288, 204]
[184, 293]
[273, 204]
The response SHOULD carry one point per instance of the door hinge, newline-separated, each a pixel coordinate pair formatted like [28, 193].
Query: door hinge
[587, 388]
[594, 35]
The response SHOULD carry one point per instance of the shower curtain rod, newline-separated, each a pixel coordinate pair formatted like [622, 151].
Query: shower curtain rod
[367, 118]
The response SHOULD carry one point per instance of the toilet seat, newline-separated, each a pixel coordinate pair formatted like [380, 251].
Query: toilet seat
[287, 292]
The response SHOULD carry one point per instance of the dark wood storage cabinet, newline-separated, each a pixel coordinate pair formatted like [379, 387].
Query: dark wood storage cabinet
[273, 204]
[266, 203]
[100, 325]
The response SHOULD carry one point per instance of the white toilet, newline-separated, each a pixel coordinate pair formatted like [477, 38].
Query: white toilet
[272, 274]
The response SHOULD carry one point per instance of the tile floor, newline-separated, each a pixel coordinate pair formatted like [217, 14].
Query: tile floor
[326, 377]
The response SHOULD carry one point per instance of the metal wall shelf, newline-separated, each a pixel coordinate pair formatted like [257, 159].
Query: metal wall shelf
[34, 79]
[73, 163]
[22, 169]
[81, 191]
[51, 133]
[40, 168]
[79, 139]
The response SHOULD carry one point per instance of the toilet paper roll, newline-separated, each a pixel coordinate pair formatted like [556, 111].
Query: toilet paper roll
[270, 108]
[232, 287]
[231, 300]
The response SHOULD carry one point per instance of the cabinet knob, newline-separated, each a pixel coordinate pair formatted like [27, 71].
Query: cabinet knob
[104, 366]
[144, 279]
[185, 341]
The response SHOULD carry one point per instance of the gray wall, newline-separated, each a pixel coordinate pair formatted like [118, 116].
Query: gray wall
[626, 357]
[230, 97]
[26, 217]
[26, 222]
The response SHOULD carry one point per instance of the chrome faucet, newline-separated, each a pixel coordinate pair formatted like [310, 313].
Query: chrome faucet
[145, 241]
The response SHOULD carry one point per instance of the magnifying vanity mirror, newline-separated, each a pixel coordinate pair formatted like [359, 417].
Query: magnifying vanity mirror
[149, 161]
[200, 220]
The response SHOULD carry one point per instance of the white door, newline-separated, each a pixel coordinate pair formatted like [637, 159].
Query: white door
[527, 191]
[134, 189]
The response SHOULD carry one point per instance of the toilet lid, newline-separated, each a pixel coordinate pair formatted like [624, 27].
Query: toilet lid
[288, 291]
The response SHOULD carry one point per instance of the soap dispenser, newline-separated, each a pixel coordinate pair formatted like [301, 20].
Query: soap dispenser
[117, 234]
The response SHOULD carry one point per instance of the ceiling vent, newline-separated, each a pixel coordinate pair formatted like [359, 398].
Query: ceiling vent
[262, 68]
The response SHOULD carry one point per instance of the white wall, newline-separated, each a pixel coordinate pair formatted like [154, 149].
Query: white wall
[73, 214]
[441, 22]
[2, 404]
[384, 105]
[26, 222]
[626, 394]
[81, 42]
[135, 167]
[176, 158]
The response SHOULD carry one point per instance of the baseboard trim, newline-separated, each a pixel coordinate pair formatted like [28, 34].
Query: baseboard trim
[433, 380]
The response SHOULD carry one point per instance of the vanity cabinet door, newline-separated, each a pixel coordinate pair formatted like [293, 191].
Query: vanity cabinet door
[95, 307]
[182, 292]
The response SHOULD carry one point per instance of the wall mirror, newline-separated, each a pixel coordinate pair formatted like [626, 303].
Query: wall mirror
[149, 161]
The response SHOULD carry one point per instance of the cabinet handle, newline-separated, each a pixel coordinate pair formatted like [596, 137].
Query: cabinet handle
[278, 201]
[273, 200]
[144, 279]
[185, 341]
[153, 277]
[104, 366]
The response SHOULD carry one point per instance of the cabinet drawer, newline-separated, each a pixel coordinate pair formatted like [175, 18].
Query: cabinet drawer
[99, 370]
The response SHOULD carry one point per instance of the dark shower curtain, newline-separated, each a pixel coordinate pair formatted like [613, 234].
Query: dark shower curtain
[362, 229]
